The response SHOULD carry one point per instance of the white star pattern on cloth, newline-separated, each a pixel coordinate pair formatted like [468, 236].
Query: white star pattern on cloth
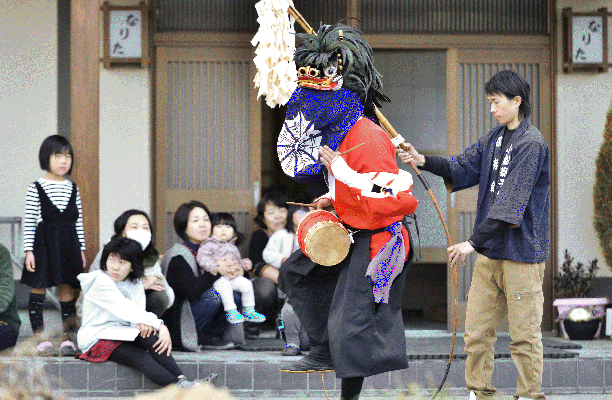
[499, 142]
[506, 159]
[501, 182]
[495, 164]
[503, 172]
[297, 145]
[492, 186]
[509, 148]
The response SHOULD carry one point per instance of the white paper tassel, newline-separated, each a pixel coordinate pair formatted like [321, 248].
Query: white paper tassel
[276, 75]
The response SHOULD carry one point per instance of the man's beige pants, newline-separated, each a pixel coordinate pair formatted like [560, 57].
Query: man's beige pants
[501, 287]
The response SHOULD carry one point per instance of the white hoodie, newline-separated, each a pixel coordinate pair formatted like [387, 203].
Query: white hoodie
[111, 310]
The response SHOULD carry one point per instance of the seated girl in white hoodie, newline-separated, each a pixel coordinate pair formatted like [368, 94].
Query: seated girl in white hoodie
[116, 325]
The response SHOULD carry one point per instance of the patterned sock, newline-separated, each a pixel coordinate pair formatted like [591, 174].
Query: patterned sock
[36, 311]
[68, 316]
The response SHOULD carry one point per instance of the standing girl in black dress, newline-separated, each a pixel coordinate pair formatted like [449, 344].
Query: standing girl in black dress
[53, 241]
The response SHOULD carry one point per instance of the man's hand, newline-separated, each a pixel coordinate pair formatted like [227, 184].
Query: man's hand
[459, 250]
[321, 204]
[411, 155]
[29, 261]
[327, 155]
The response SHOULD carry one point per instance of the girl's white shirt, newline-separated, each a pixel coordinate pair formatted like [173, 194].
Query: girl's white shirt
[111, 310]
[280, 246]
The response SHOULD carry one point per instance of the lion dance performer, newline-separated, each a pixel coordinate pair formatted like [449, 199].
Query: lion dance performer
[350, 311]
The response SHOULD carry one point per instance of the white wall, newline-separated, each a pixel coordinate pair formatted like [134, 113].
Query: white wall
[124, 144]
[583, 99]
[28, 95]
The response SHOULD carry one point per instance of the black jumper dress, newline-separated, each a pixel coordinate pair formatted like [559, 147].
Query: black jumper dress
[57, 249]
[336, 305]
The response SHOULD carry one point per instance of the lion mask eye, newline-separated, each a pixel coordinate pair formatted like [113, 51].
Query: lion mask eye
[330, 70]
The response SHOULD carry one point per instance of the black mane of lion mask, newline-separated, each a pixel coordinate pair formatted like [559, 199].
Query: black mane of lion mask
[340, 50]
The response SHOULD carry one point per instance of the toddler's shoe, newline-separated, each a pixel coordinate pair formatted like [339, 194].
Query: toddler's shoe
[253, 316]
[234, 317]
[68, 349]
[46, 349]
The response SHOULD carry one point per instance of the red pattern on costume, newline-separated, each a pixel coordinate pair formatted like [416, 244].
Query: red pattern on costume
[100, 351]
[361, 212]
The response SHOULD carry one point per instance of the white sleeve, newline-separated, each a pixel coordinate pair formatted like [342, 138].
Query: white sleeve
[31, 217]
[79, 223]
[273, 253]
[391, 183]
[105, 294]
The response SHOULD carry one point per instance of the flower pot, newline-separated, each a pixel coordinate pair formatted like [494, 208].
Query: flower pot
[583, 330]
[564, 306]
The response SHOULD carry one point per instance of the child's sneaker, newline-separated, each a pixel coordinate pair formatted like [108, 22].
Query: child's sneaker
[253, 316]
[291, 350]
[234, 317]
[46, 349]
[68, 349]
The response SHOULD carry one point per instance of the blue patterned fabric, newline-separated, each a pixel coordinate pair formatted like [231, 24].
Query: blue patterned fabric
[387, 264]
[314, 118]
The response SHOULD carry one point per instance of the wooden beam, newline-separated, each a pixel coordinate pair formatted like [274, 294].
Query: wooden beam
[85, 114]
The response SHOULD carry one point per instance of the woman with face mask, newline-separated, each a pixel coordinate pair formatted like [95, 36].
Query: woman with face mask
[136, 225]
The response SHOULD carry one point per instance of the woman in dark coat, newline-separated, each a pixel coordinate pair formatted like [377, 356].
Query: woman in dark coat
[197, 316]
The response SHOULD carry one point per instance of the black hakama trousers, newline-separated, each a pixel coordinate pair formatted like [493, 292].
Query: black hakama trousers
[336, 305]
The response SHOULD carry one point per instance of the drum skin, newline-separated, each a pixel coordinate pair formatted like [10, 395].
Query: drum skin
[323, 238]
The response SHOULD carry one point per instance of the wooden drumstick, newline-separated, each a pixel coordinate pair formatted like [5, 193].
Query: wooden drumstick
[301, 204]
[351, 149]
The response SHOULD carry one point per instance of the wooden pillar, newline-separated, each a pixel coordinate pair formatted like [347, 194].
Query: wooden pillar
[353, 13]
[85, 113]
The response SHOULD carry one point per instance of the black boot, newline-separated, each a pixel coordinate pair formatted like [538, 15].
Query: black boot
[318, 360]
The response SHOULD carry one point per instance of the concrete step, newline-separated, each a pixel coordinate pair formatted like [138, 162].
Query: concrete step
[257, 375]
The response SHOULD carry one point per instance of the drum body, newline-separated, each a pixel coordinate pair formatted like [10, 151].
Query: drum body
[323, 238]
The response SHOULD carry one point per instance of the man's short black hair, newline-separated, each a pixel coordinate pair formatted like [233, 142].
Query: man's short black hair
[127, 249]
[279, 199]
[511, 84]
[223, 218]
[181, 216]
[54, 144]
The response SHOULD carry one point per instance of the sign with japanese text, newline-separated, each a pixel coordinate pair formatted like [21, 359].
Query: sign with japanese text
[125, 34]
[587, 40]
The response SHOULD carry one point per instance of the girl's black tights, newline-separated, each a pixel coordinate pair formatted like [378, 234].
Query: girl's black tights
[351, 387]
[141, 355]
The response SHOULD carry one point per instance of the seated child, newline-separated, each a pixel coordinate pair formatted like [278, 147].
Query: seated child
[220, 247]
[284, 241]
[116, 325]
[280, 246]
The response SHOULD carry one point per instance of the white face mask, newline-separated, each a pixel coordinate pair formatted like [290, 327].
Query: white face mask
[141, 236]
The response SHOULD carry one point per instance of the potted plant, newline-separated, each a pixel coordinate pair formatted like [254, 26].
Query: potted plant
[582, 323]
[572, 283]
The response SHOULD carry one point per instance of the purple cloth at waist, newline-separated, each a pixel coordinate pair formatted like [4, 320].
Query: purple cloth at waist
[387, 264]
